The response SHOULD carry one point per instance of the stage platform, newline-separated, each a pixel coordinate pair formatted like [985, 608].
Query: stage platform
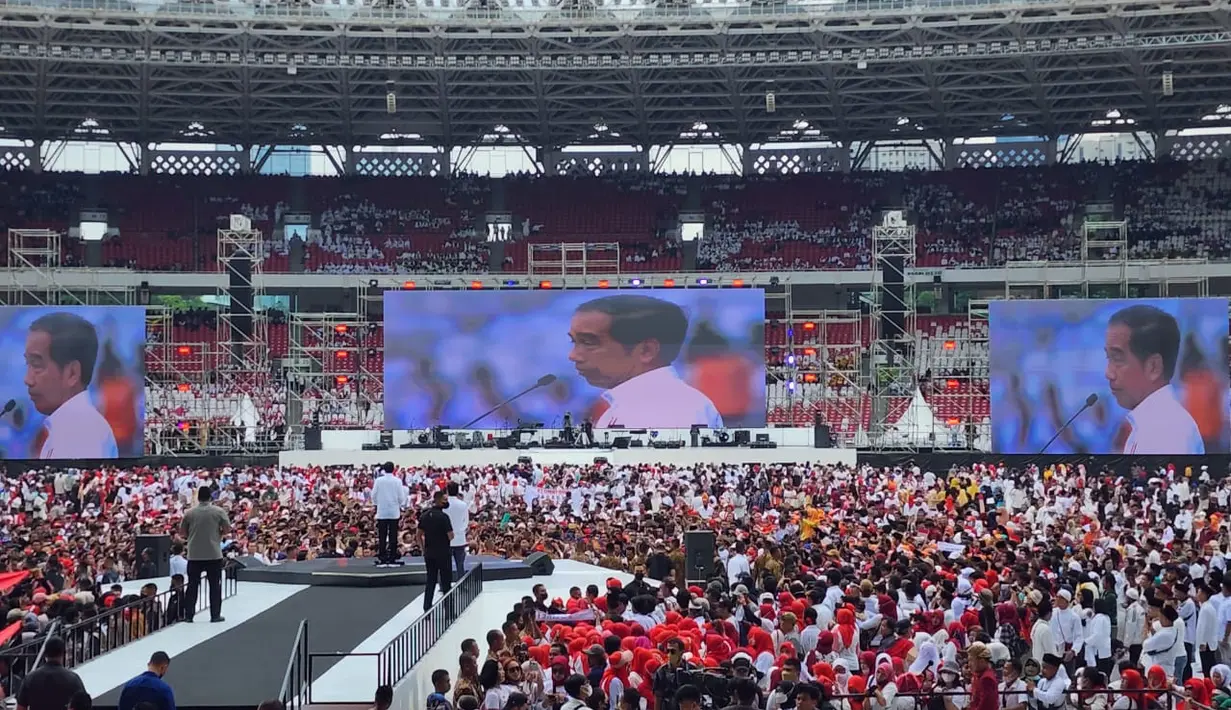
[348, 572]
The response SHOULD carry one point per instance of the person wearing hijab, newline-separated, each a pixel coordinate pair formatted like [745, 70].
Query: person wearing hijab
[846, 636]
[927, 661]
[1092, 689]
[615, 677]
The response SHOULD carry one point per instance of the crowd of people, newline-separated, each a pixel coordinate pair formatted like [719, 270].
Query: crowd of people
[859, 588]
[849, 586]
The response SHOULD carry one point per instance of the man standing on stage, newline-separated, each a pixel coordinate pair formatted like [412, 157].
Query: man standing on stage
[459, 517]
[435, 535]
[204, 526]
[390, 498]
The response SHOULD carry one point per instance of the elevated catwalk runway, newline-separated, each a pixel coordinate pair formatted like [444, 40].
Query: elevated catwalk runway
[344, 572]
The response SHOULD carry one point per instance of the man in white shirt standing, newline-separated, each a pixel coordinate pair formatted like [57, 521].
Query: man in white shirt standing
[390, 498]
[459, 517]
[626, 345]
[1207, 638]
[738, 565]
[61, 350]
[1142, 346]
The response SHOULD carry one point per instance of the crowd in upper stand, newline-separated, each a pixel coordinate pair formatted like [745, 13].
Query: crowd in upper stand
[435, 225]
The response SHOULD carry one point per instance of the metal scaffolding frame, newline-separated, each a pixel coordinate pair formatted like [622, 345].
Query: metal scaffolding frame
[35, 261]
[891, 374]
[582, 259]
[839, 358]
[330, 368]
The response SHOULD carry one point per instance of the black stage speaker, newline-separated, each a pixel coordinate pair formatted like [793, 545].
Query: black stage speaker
[893, 295]
[160, 546]
[821, 437]
[540, 564]
[312, 438]
[239, 273]
[699, 546]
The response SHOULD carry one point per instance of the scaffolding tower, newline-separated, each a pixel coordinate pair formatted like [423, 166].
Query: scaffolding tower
[334, 368]
[1104, 243]
[35, 261]
[573, 259]
[891, 377]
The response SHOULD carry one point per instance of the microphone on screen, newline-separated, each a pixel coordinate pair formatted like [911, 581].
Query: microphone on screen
[542, 382]
[1090, 402]
[8, 407]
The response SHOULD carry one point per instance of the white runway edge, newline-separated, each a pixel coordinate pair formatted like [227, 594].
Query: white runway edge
[114, 669]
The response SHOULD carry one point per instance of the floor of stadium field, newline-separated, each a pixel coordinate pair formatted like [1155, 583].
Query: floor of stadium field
[245, 664]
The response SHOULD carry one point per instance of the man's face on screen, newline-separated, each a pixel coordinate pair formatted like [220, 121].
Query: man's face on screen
[47, 384]
[599, 359]
[1130, 379]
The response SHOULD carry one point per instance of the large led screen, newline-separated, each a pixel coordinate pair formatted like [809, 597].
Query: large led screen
[1153, 373]
[631, 359]
[76, 382]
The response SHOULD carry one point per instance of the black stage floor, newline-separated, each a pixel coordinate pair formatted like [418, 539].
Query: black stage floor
[243, 666]
[346, 572]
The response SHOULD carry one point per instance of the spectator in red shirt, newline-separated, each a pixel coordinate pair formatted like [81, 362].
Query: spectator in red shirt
[984, 690]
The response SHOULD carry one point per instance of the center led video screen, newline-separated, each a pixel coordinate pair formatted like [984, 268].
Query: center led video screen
[1140, 376]
[637, 359]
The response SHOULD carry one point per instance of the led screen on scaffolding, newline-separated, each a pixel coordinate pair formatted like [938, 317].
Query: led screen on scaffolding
[76, 388]
[636, 359]
[1154, 369]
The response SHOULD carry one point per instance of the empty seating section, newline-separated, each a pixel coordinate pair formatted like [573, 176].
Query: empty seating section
[431, 225]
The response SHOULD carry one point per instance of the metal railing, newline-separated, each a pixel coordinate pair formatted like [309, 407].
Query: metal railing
[111, 628]
[297, 681]
[1073, 699]
[404, 652]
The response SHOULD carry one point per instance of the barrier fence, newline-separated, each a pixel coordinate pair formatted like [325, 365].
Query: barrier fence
[110, 629]
[395, 661]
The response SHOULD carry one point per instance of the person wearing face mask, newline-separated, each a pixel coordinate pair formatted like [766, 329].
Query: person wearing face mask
[671, 676]
[1097, 640]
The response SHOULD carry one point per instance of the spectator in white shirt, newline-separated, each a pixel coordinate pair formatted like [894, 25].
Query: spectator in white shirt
[1166, 643]
[1097, 635]
[626, 344]
[738, 566]
[1207, 638]
[1042, 640]
[459, 517]
[1066, 625]
[1142, 347]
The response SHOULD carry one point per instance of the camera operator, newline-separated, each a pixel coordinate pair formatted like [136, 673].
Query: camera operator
[671, 676]
[745, 694]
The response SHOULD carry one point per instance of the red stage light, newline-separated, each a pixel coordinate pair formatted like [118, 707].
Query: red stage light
[339, 329]
[809, 377]
[183, 350]
[953, 421]
[544, 284]
[604, 283]
[476, 284]
[341, 379]
[669, 283]
[183, 387]
[951, 384]
[950, 345]
[342, 354]
[809, 326]
[738, 283]
[408, 284]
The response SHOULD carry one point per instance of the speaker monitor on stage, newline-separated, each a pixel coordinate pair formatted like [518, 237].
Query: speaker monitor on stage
[160, 548]
[699, 550]
[822, 438]
[540, 564]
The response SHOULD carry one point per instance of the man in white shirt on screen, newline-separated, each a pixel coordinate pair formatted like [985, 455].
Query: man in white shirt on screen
[1142, 347]
[626, 344]
[61, 349]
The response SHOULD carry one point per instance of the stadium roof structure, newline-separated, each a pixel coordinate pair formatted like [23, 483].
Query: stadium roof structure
[329, 74]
